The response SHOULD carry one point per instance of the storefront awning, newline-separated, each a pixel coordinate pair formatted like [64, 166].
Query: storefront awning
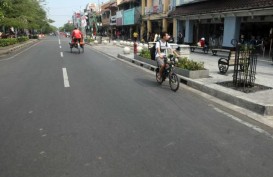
[220, 6]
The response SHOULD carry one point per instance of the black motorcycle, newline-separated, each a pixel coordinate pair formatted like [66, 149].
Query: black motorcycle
[168, 72]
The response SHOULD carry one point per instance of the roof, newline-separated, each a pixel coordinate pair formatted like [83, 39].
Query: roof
[126, 1]
[213, 6]
[106, 5]
[112, 5]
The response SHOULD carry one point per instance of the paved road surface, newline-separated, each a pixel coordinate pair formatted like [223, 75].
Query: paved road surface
[110, 119]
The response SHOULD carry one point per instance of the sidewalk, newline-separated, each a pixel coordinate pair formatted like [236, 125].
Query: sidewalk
[10, 49]
[260, 102]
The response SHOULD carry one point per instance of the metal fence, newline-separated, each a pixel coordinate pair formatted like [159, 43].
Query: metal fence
[245, 65]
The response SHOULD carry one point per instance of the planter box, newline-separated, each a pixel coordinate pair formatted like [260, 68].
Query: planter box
[183, 72]
[149, 61]
[192, 74]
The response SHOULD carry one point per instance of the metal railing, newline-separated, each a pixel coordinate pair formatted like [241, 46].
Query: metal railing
[245, 65]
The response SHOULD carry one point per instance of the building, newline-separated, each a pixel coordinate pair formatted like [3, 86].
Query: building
[92, 7]
[156, 18]
[92, 12]
[220, 21]
[105, 18]
[128, 18]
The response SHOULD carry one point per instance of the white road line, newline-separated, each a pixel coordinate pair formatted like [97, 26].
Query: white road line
[254, 127]
[62, 54]
[59, 42]
[60, 47]
[66, 81]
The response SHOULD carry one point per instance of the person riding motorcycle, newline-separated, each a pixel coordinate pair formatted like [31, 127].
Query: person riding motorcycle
[76, 35]
[163, 48]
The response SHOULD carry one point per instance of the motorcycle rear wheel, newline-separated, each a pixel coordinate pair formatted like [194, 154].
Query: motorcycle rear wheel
[159, 81]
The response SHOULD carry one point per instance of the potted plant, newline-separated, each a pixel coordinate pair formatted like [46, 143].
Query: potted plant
[145, 56]
[191, 69]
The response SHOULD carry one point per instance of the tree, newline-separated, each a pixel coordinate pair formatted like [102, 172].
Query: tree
[67, 27]
[4, 6]
[24, 14]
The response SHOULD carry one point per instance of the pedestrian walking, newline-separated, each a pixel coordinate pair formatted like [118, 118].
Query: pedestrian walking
[135, 35]
[180, 38]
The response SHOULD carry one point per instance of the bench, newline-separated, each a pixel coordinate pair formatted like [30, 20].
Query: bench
[224, 63]
[214, 51]
[204, 49]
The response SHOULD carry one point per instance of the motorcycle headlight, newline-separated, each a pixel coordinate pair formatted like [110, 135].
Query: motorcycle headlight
[176, 60]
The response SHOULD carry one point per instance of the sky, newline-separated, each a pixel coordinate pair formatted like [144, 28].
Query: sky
[62, 10]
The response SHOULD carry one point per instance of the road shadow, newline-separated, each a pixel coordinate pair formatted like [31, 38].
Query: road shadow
[228, 73]
[73, 52]
[152, 83]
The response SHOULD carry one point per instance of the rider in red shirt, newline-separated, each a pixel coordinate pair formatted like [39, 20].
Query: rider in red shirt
[76, 35]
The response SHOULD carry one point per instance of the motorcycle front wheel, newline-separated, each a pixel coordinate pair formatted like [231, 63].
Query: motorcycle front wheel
[174, 82]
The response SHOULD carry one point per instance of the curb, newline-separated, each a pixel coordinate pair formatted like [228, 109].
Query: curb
[9, 50]
[265, 110]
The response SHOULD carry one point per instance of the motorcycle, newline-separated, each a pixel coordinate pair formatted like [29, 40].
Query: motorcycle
[168, 72]
[78, 45]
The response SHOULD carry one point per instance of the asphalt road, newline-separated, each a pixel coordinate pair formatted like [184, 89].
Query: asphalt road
[110, 119]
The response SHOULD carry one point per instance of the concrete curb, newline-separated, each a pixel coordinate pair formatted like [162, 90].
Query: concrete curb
[210, 89]
[8, 50]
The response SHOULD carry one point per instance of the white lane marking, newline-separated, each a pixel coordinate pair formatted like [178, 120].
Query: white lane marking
[254, 127]
[60, 47]
[66, 81]
[59, 42]
[19, 53]
[62, 54]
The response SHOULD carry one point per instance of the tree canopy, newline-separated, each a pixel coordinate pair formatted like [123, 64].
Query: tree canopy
[67, 27]
[24, 14]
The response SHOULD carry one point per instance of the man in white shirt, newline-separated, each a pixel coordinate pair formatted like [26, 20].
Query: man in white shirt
[163, 48]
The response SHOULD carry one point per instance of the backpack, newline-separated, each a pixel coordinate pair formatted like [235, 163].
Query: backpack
[153, 50]
[158, 38]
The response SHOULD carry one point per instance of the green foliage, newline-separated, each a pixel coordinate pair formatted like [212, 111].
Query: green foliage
[35, 36]
[190, 64]
[67, 27]
[11, 41]
[7, 42]
[88, 39]
[145, 54]
[23, 38]
[24, 14]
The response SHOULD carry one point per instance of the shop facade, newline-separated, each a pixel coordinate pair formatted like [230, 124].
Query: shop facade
[221, 21]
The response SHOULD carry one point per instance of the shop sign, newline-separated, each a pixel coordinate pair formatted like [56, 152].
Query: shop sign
[129, 17]
[119, 14]
[119, 21]
[113, 20]
[154, 10]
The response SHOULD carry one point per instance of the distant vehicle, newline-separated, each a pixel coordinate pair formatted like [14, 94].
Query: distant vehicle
[67, 34]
